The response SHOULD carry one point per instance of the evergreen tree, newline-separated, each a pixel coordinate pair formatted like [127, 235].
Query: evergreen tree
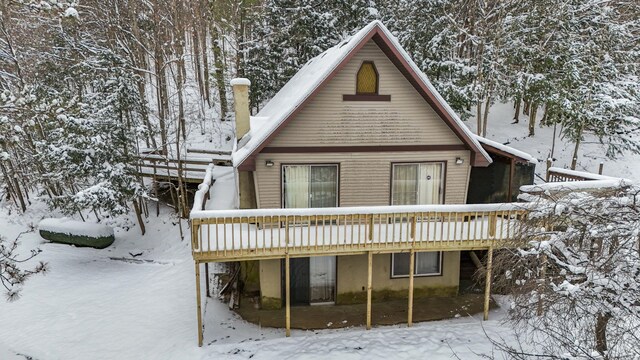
[293, 31]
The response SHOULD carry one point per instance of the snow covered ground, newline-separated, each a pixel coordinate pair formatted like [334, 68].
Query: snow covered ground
[591, 153]
[108, 304]
[136, 299]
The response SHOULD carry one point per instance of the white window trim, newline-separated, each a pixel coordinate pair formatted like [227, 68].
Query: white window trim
[283, 165]
[439, 273]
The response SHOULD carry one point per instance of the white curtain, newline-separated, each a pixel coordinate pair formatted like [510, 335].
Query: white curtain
[427, 263]
[417, 184]
[296, 186]
[322, 271]
[404, 186]
[430, 184]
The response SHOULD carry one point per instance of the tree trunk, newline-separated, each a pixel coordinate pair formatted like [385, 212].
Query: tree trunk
[601, 334]
[136, 207]
[479, 117]
[161, 79]
[553, 141]
[205, 65]
[196, 60]
[574, 159]
[532, 118]
[516, 115]
[486, 116]
[219, 65]
[240, 43]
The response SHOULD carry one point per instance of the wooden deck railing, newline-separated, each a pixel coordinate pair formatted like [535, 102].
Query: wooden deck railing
[226, 235]
[555, 174]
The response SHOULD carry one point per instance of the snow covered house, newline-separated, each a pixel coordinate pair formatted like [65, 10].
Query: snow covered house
[353, 183]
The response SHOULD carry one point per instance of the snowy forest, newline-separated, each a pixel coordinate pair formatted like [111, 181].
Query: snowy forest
[90, 83]
[89, 86]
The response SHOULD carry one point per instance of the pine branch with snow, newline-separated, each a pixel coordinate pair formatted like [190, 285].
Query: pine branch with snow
[575, 280]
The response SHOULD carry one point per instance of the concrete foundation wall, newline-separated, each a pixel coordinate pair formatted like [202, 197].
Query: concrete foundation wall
[352, 280]
[270, 282]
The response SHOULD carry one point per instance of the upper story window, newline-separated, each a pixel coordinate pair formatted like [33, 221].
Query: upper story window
[367, 79]
[367, 85]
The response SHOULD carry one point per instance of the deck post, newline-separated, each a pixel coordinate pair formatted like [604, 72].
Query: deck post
[287, 296]
[512, 171]
[198, 301]
[206, 279]
[493, 222]
[487, 283]
[369, 278]
[411, 271]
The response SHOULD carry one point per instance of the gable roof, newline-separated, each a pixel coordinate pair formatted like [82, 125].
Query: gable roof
[318, 71]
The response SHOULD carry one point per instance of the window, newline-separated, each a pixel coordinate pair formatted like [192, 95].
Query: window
[309, 186]
[367, 79]
[426, 264]
[417, 184]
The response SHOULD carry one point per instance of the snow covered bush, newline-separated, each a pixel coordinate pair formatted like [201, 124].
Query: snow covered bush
[12, 276]
[575, 279]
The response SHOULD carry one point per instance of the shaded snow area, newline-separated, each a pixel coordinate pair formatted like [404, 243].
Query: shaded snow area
[136, 300]
[591, 153]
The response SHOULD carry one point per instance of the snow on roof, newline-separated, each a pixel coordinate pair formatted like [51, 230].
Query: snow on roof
[507, 149]
[582, 174]
[312, 75]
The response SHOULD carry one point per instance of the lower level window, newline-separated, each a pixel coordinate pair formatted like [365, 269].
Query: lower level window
[426, 263]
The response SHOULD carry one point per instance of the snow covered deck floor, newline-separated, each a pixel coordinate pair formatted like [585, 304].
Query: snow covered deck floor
[232, 235]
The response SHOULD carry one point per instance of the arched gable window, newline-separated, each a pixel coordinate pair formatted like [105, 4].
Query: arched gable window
[367, 79]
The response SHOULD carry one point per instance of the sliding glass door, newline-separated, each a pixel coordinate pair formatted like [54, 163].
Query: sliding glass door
[313, 280]
[322, 282]
[417, 184]
[309, 186]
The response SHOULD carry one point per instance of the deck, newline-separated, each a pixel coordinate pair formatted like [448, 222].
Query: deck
[256, 234]
[192, 166]
[224, 235]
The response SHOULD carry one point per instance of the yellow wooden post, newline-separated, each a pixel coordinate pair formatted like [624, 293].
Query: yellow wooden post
[413, 229]
[487, 283]
[493, 221]
[287, 295]
[411, 271]
[199, 307]
[369, 280]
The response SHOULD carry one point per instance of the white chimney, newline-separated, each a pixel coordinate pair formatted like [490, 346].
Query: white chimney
[241, 105]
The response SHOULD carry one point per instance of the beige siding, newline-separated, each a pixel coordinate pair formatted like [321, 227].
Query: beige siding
[351, 279]
[364, 177]
[352, 274]
[329, 121]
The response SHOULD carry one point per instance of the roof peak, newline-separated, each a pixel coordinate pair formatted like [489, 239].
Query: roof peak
[317, 71]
